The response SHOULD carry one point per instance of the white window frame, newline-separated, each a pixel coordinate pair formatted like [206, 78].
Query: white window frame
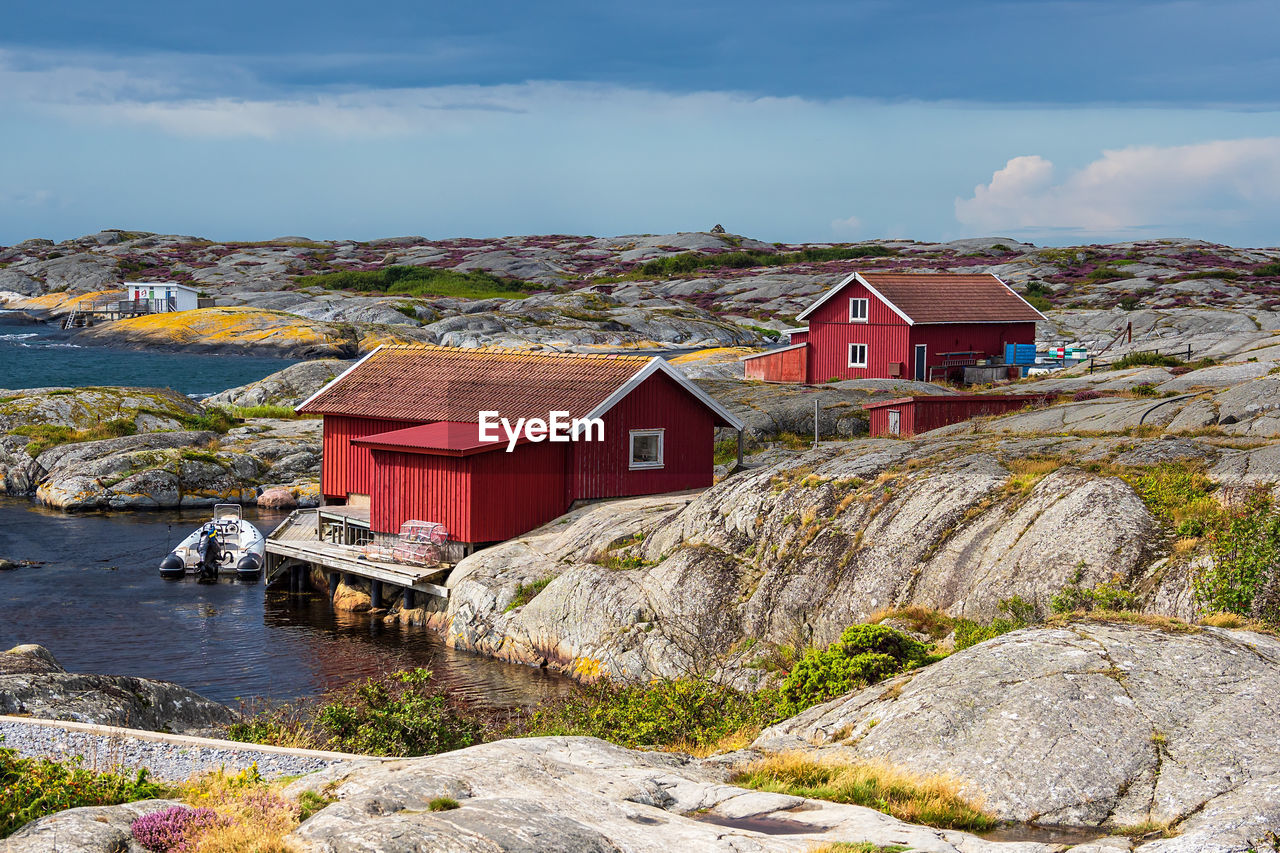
[631, 449]
[861, 303]
[862, 363]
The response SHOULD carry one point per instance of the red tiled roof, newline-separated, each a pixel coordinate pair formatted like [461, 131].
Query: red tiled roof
[952, 298]
[445, 437]
[431, 383]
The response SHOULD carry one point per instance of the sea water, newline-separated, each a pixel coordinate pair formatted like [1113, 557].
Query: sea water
[39, 355]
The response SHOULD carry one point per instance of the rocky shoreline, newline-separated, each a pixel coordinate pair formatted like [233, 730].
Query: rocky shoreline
[1155, 737]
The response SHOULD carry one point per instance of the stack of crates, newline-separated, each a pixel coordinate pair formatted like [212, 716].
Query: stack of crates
[1019, 353]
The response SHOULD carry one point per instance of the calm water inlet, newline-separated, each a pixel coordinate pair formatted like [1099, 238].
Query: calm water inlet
[35, 355]
[99, 605]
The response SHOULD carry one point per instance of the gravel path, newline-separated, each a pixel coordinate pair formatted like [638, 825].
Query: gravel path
[167, 758]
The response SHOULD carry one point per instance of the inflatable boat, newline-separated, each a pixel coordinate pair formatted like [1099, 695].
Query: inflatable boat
[225, 545]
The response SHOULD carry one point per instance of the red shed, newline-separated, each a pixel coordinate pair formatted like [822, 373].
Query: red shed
[902, 326]
[908, 416]
[777, 365]
[402, 431]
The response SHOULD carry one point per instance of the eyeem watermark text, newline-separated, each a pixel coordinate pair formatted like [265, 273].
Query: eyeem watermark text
[557, 427]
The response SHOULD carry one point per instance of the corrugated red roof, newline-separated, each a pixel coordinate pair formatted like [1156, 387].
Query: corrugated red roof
[952, 298]
[451, 438]
[431, 383]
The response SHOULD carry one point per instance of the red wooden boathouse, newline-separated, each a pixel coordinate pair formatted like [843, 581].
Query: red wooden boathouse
[920, 326]
[402, 435]
[906, 416]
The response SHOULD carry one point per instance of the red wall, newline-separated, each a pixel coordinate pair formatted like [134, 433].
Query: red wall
[880, 420]
[921, 415]
[486, 497]
[346, 468]
[601, 468]
[830, 333]
[988, 338]
[788, 366]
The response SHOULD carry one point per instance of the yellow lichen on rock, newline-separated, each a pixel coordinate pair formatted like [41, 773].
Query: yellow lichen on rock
[226, 328]
[713, 355]
[60, 302]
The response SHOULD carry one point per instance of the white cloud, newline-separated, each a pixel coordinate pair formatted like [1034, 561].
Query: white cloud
[847, 227]
[170, 94]
[1138, 190]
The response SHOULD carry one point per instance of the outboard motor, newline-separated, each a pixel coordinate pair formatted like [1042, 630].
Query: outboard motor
[210, 555]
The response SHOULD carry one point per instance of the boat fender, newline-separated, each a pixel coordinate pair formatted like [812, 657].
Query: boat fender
[249, 563]
[173, 564]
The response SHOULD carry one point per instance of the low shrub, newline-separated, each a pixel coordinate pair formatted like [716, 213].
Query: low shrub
[1145, 359]
[1145, 389]
[1180, 493]
[443, 804]
[251, 814]
[687, 713]
[726, 451]
[45, 436]
[863, 655]
[31, 788]
[402, 714]
[913, 798]
[1017, 613]
[1108, 595]
[1086, 394]
[173, 829]
[1244, 577]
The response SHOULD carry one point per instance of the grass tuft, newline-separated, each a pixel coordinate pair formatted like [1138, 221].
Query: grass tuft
[930, 800]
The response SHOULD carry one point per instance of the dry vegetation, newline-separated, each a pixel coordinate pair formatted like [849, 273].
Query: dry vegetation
[931, 800]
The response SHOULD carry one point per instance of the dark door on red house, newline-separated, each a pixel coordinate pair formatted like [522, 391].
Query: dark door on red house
[921, 351]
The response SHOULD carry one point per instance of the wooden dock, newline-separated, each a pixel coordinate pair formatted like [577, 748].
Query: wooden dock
[296, 546]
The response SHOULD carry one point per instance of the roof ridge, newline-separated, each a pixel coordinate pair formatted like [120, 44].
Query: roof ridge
[525, 351]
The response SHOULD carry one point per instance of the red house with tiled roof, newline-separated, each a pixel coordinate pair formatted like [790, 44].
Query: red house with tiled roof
[402, 435]
[902, 326]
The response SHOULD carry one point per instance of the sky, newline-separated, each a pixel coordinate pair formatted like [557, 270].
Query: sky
[1052, 121]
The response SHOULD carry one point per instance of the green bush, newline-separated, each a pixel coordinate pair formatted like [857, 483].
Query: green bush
[1017, 613]
[423, 281]
[1245, 575]
[1145, 359]
[1268, 270]
[1108, 595]
[1179, 493]
[678, 712]
[1145, 389]
[31, 788]
[214, 419]
[863, 655]
[400, 716]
